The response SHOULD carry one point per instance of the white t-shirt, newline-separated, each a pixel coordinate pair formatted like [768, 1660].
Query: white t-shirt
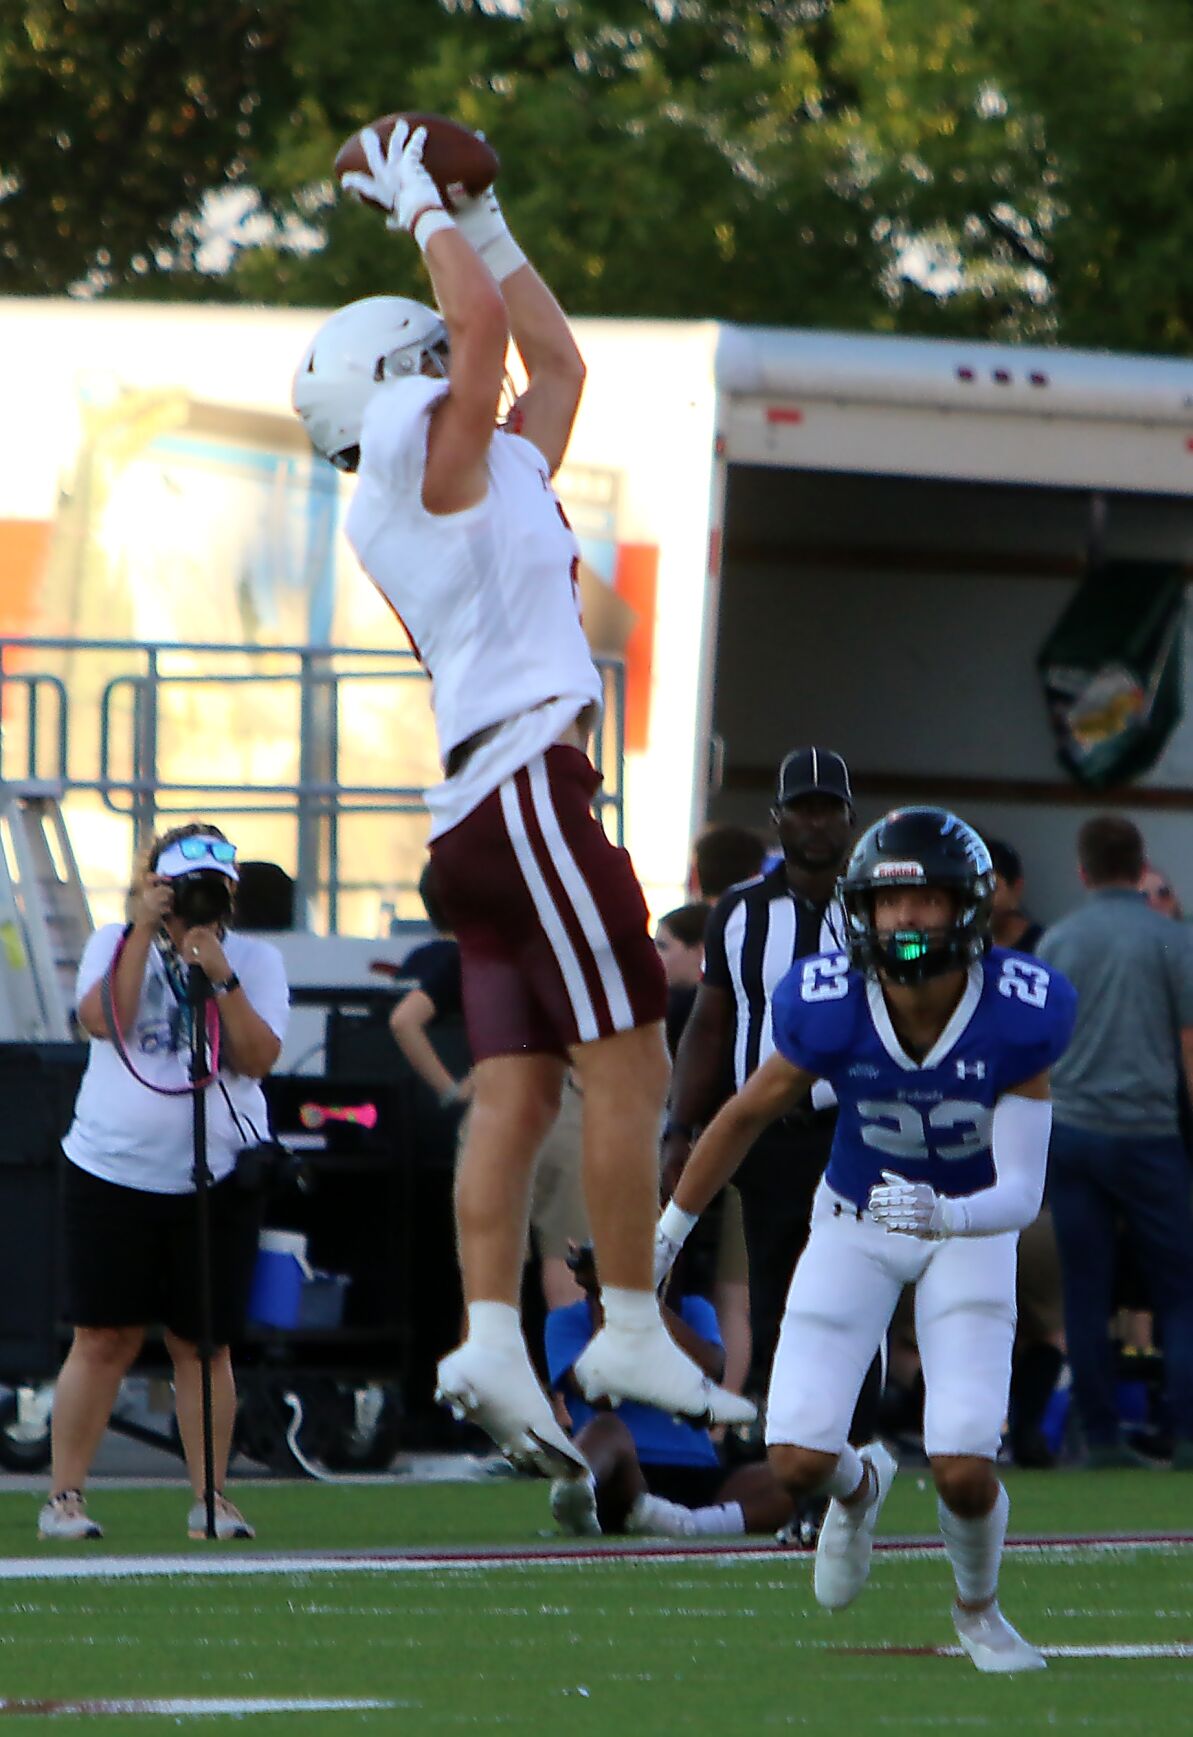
[125, 1133]
[487, 596]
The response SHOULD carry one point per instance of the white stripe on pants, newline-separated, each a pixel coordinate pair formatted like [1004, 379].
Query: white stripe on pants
[842, 1297]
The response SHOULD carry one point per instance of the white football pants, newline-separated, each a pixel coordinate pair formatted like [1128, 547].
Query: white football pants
[843, 1294]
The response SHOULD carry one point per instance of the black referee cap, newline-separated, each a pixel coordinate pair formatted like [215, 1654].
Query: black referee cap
[813, 771]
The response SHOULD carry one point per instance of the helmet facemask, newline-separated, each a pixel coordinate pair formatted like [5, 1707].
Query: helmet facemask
[918, 847]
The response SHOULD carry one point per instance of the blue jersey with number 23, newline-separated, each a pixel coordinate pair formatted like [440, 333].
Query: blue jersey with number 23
[928, 1120]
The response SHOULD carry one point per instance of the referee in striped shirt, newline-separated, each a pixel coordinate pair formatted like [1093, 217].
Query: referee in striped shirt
[754, 934]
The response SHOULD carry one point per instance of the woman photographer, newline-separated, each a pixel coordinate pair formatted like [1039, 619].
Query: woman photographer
[131, 1235]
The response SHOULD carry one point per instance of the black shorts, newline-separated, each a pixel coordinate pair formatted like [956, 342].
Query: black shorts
[132, 1258]
[694, 1486]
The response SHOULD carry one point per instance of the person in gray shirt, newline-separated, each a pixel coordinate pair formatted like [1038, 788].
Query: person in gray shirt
[1117, 1153]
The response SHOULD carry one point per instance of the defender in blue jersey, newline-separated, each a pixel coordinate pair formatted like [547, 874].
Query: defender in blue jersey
[937, 1046]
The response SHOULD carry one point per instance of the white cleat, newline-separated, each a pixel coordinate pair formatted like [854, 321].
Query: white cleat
[846, 1540]
[992, 1644]
[497, 1389]
[574, 1508]
[645, 1364]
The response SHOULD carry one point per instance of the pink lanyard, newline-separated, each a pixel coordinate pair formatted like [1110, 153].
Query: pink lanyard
[211, 1021]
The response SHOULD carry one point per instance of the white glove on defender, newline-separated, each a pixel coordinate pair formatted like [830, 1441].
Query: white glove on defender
[397, 180]
[914, 1208]
[670, 1234]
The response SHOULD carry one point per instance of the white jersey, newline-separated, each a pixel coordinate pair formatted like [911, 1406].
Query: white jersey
[125, 1133]
[487, 596]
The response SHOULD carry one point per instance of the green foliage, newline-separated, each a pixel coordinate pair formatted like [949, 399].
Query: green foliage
[996, 167]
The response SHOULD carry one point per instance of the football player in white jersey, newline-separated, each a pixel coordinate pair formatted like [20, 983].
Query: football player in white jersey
[937, 1046]
[455, 520]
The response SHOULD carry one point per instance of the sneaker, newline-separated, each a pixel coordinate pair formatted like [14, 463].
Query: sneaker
[498, 1390]
[846, 1539]
[65, 1516]
[645, 1364]
[656, 1517]
[573, 1505]
[992, 1644]
[229, 1521]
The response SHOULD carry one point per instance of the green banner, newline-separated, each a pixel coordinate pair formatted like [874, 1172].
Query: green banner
[1112, 670]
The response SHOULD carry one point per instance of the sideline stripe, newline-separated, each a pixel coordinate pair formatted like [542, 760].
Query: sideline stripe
[190, 1707]
[1112, 1650]
[198, 1564]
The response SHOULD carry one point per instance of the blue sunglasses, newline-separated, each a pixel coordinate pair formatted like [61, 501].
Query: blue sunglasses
[198, 845]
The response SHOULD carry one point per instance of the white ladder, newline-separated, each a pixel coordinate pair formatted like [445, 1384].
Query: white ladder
[44, 920]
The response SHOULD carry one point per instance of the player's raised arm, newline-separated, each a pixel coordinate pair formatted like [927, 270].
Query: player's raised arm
[463, 422]
[547, 409]
[1022, 1125]
[775, 1088]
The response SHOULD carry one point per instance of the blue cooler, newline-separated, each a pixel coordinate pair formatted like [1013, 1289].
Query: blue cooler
[275, 1299]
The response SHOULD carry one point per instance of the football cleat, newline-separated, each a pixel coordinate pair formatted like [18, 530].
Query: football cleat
[573, 1505]
[992, 1644]
[645, 1364]
[846, 1540]
[496, 1389]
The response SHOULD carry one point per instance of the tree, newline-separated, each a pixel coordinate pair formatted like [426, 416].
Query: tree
[995, 167]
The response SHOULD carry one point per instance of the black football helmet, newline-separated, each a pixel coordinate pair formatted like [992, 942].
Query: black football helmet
[918, 847]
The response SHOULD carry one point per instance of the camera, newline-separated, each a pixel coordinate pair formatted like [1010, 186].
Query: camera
[202, 897]
[267, 1164]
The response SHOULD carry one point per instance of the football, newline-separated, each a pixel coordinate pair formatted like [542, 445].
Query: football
[455, 158]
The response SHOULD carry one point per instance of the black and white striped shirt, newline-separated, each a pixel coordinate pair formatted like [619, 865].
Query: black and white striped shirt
[755, 932]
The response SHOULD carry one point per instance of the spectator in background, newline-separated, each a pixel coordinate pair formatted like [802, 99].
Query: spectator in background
[436, 966]
[1010, 925]
[652, 1473]
[723, 857]
[1116, 1147]
[680, 941]
[1040, 1339]
[557, 1215]
[1157, 889]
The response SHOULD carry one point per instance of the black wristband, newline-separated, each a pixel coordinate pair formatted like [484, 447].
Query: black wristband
[682, 1129]
[227, 986]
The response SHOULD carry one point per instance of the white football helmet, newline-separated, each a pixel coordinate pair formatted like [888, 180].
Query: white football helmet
[370, 341]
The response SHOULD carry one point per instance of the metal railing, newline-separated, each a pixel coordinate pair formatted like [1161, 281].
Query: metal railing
[93, 715]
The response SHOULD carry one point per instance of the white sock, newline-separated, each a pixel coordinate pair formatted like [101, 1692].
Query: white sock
[724, 1520]
[974, 1547]
[846, 1475]
[629, 1310]
[496, 1325]
[656, 1514]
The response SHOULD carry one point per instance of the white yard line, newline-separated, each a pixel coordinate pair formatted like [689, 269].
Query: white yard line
[198, 1564]
[190, 1707]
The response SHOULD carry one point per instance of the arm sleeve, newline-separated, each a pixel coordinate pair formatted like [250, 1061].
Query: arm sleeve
[266, 987]
[1020, 1145]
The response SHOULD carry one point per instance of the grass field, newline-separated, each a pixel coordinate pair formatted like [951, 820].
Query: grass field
[631, 1645]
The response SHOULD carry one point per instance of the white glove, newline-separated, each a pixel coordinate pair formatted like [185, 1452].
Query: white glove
[670, 1234]
[914, 1208]
[397, 180]
[481, 222]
